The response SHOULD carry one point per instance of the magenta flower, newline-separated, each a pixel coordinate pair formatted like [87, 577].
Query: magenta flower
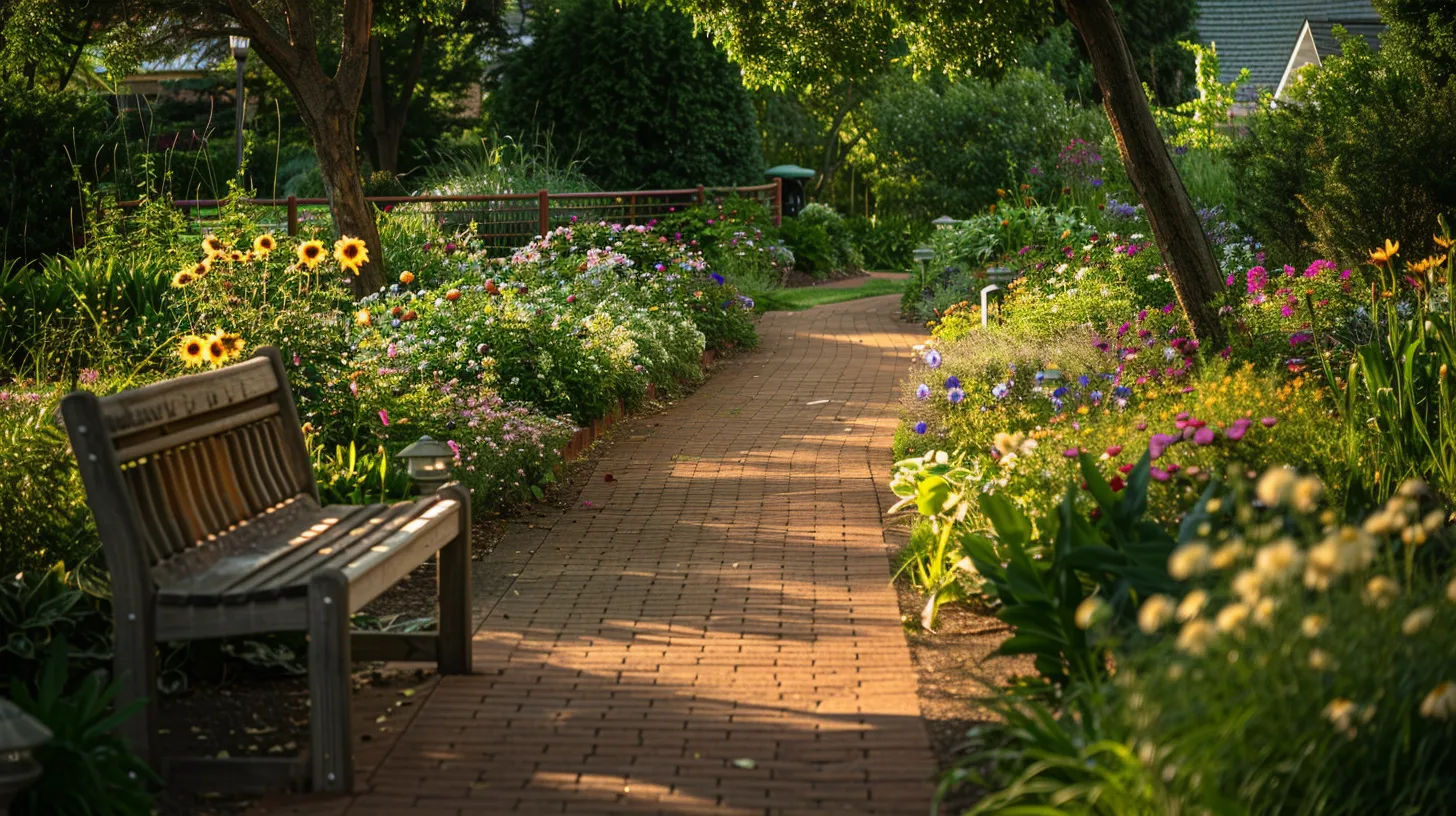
[1071, 453]
[1158, 474]
[1300, 337]
[1160, 443]
[384, 417]
[1314, 269]
[1269, 421]
[1257, 278]
[1204, 436]
[1114, 450]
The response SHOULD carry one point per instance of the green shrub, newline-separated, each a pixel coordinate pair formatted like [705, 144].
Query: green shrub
[1361, 151]
[887, 242]
[646, 102]
[43, 138]
[820, 239]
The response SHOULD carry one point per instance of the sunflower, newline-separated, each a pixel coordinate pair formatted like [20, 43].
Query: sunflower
[192, 350]
[212, 246]
[264, 244]
[202, 268]
[351, 253]
[311, 254]
[183, 278]
[232, 342]
[1381, 256]
[215, 349]
[238, 257]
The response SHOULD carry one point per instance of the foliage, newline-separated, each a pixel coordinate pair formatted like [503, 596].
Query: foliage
[944, 148]
[1203, 122]
[42, 136]
[48, 611]
[648, 103]
[347, 476]
[1359, 152]
[41, 499]
[820, 240]
[886, 242]
[86, 767]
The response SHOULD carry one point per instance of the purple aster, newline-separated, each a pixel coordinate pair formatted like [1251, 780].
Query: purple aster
[1204, 436]
[718, 279]
[922, 391]
[1158, 474]
[932, 358]
[955, 395]
[1159, 443]
[920, 428]
[952, 381]
[1269, 421]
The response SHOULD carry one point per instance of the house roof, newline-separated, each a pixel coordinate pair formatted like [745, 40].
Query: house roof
[1260, 34]
[1317, 42]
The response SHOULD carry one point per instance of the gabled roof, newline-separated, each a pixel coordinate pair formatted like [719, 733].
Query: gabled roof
[1317, 42]
[1259, 34]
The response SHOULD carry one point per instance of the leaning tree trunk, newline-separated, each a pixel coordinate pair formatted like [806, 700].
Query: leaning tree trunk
[1179, 233]
[332, 129]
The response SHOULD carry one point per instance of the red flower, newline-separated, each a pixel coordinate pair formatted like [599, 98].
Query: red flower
[1117, 484]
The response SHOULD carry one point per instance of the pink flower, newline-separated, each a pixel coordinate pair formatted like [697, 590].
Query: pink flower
[1071, 453]
[1114, 450]
[1269, 421]
[1204, 436]
[1158, 474]
[384, 417]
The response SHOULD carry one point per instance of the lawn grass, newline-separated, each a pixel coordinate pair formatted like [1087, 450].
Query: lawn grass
[793, 300]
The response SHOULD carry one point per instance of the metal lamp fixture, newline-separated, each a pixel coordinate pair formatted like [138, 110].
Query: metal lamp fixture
[239, 45]
[428, 463]
[944, 221]
[20, 735]
[923, 256]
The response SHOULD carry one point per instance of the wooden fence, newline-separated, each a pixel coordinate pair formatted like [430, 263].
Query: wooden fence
[504, 221]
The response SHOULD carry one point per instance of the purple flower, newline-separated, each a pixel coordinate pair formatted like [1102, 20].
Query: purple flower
[1204, 436]
[1158, 474]
[1000, 390]
[955, 395]
[1071, 453]
[1121, 330]
[922, 391]
[384, 417]
[920, 428]
[1314, 269]
[1097, 182]
[1258, 277]
[1300, 337]
[89, 375]
[1269, 421]
[952, 381]
[1229, 281]
[1168, 309]
[1160, 443]
[932, 358]
[718, 279]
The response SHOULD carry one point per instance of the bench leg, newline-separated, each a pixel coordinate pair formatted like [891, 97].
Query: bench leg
[331, 738]
[135, 666]
[452, 572]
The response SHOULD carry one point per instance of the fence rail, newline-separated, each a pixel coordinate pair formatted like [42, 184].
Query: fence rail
[508, 220]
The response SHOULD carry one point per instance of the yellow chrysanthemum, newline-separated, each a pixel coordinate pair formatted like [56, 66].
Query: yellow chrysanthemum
[183, 278]
[1382, 255]
[351, 253]
[264, 244]
[213, 246]
[215, 349]
[311, 254]
[192, 350]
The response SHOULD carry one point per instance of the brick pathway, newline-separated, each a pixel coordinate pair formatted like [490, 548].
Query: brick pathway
[711, 631]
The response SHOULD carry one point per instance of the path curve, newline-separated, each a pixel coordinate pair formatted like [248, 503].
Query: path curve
[713, 630]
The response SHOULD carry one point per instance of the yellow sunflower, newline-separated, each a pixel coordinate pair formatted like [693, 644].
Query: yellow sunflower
[351, 253]
[212, 246]
[264, 244]
[215, 350]
[183, 278]
[232, 342]
[192, 350]
[202, 268]
[238, 257]
[311, 254]
[1382, 255]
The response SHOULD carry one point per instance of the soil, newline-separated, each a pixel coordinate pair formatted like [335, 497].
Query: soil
[954, 670]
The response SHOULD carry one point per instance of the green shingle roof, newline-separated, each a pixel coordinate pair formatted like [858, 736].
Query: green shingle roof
[1260, 34]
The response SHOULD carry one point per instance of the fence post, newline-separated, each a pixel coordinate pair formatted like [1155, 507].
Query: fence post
[778, 206]
[701, 197]
[632, 212]
[545, 212]
[292, 215]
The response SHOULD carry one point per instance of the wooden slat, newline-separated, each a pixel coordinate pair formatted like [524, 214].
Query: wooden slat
[264, 546]
[159, 547]
[251, 491]
[273, 491]
[175, 623]
[226, 475]
[202, 491]
[413, 647]
[179, 399]
[247, 775]
[180, 501]
[365, 535]
[382, 565]
[160, 442]
[176, 542]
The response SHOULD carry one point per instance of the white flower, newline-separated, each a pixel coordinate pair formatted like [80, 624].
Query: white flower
[1440, 704]
[1417, 620]
[1274, 486]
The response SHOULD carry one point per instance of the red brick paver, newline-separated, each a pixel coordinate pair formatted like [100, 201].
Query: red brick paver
[711, 631]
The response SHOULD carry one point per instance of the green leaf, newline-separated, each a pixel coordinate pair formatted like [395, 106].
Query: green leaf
[1011, 525]
[932, 496]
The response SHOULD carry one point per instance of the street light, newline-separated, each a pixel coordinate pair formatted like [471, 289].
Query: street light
[428, 462]
[240, 56]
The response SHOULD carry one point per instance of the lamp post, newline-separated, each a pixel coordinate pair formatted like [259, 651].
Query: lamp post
[240, 57]
[20, 735]
[428, 463]
[923, 256]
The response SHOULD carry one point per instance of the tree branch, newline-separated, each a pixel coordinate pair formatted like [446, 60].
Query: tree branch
[280, 55]
[354, 55]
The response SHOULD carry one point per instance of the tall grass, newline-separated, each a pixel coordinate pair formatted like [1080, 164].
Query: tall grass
[491, 165]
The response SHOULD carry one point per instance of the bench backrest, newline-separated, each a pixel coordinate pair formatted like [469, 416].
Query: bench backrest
[170, 466]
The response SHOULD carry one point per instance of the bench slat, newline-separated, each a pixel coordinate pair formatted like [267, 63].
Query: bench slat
[176, 400]
[280, 535]
[383, 565]
[211, 428]
[339, 553]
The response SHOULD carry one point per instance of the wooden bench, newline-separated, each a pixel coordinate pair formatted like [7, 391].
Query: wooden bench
[205, 499]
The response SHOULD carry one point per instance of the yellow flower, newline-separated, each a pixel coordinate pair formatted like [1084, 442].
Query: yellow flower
[1231, 618]
[1381, 256]
[1274, 486]
[1380, 590]
[361, 317]
[1306, 494]
[1194, 637]
[1425, 264]
[1451, 591]
[1155, 613]
[1229, 554]
[264, 244]
[1274, 561]
[406, 277]
[1191, 605]
[1440, 704]
[237, 257]
[1312, 625]
[183, 278]
[1248, 584]
[215, 349]
[1340, 712]
[1417, 620]
[192, 350]
[1443, 243]
[1088, 612]
[202, 268]
[1188, 561]
[1320, 660]
[212, 246]
[311, 254]
[351, 253]
[1264, 611]
[232, 343]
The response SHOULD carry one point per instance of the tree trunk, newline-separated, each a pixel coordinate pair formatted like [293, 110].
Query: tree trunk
[389, 116]
[333, 140]
[1179, 233]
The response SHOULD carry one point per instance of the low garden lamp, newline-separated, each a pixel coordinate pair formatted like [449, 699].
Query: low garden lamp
[923, 256]
[428, 463]
[944, 222]
[20, 735]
